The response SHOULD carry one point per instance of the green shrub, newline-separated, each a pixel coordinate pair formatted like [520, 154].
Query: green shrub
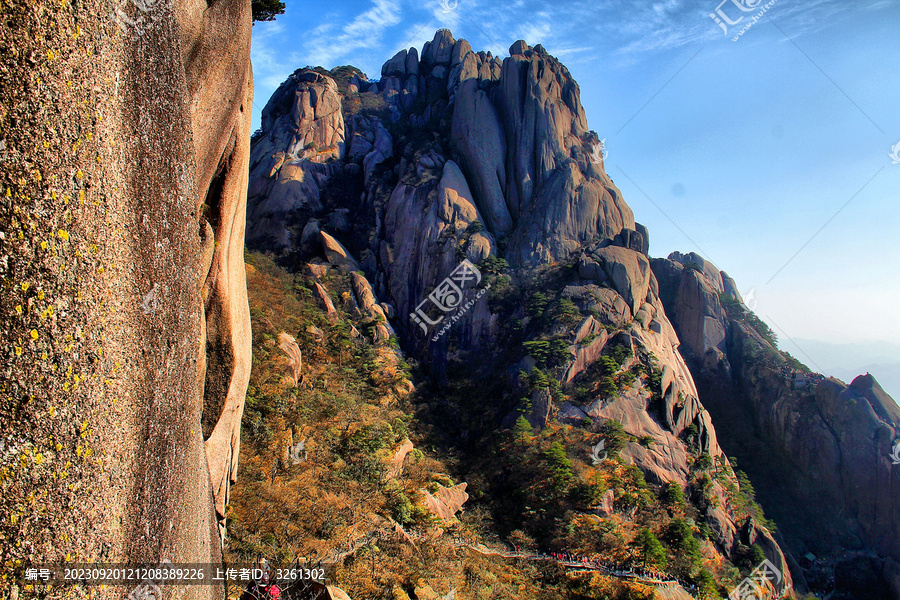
[693, 266]
[703, 462]
[650, 549]
[522, 429]
[706, 585]
[492, 265]
[566, 312]
[536, 304]
[615, 436]
[548, 352]
[475, 227]
[266, 10]
[608, 387]
[402, 509]
[588, 493]
[672, 496]
[686, 549]
[559, 467]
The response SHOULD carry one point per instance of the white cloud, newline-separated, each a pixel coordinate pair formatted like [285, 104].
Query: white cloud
[536, 33]
[363, 32]
[415, 36]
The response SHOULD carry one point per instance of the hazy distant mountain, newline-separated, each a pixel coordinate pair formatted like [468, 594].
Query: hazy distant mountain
[846, 361]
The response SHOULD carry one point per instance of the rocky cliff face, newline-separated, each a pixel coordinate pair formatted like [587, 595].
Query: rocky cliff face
[122, 233]
[459, 156]
[816, 443]
[518, 132]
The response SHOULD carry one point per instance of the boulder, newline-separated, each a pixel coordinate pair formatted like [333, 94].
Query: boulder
[396, 463]
[605, 508]
[330, 312]
[628, 272]
[339, 220]
[440, 50]
[631, 239]
[570, 414]
[586, 353]
[541, 403]
[219, 89]
[730, 287]
[645, 238]
[460, 50]
[368, 304]
[316, 270]
[519, 47]
[563, 214]
[396, 65]
[336, 254]
[698, 263]
[309, 238]
[161, 113]
[301, 135]
[288, 345]
[382, 149]
[412, 62]
[446, 502]
[539, 124]
[607, 303]
[722, 527]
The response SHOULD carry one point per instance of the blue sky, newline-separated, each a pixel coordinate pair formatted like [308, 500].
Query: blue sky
[768, 155]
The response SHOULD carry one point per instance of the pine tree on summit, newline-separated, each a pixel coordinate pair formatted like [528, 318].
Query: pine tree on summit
[266, 10]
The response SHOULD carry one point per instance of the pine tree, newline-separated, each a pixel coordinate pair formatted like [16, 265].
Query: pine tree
[651, 549]
[522, 429]
[266, 10]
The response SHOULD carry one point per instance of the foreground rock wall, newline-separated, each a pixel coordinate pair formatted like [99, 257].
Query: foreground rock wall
[121, 246]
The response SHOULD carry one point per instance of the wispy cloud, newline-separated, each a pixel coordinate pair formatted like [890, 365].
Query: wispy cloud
[363, 32]
[269, 65]
[536, 33]
[415, 36]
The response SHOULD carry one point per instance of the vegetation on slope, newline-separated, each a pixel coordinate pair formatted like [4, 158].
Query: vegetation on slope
[337, 504]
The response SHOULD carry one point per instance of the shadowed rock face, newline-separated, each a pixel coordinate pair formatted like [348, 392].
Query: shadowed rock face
[138, 373]
[806, 441]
